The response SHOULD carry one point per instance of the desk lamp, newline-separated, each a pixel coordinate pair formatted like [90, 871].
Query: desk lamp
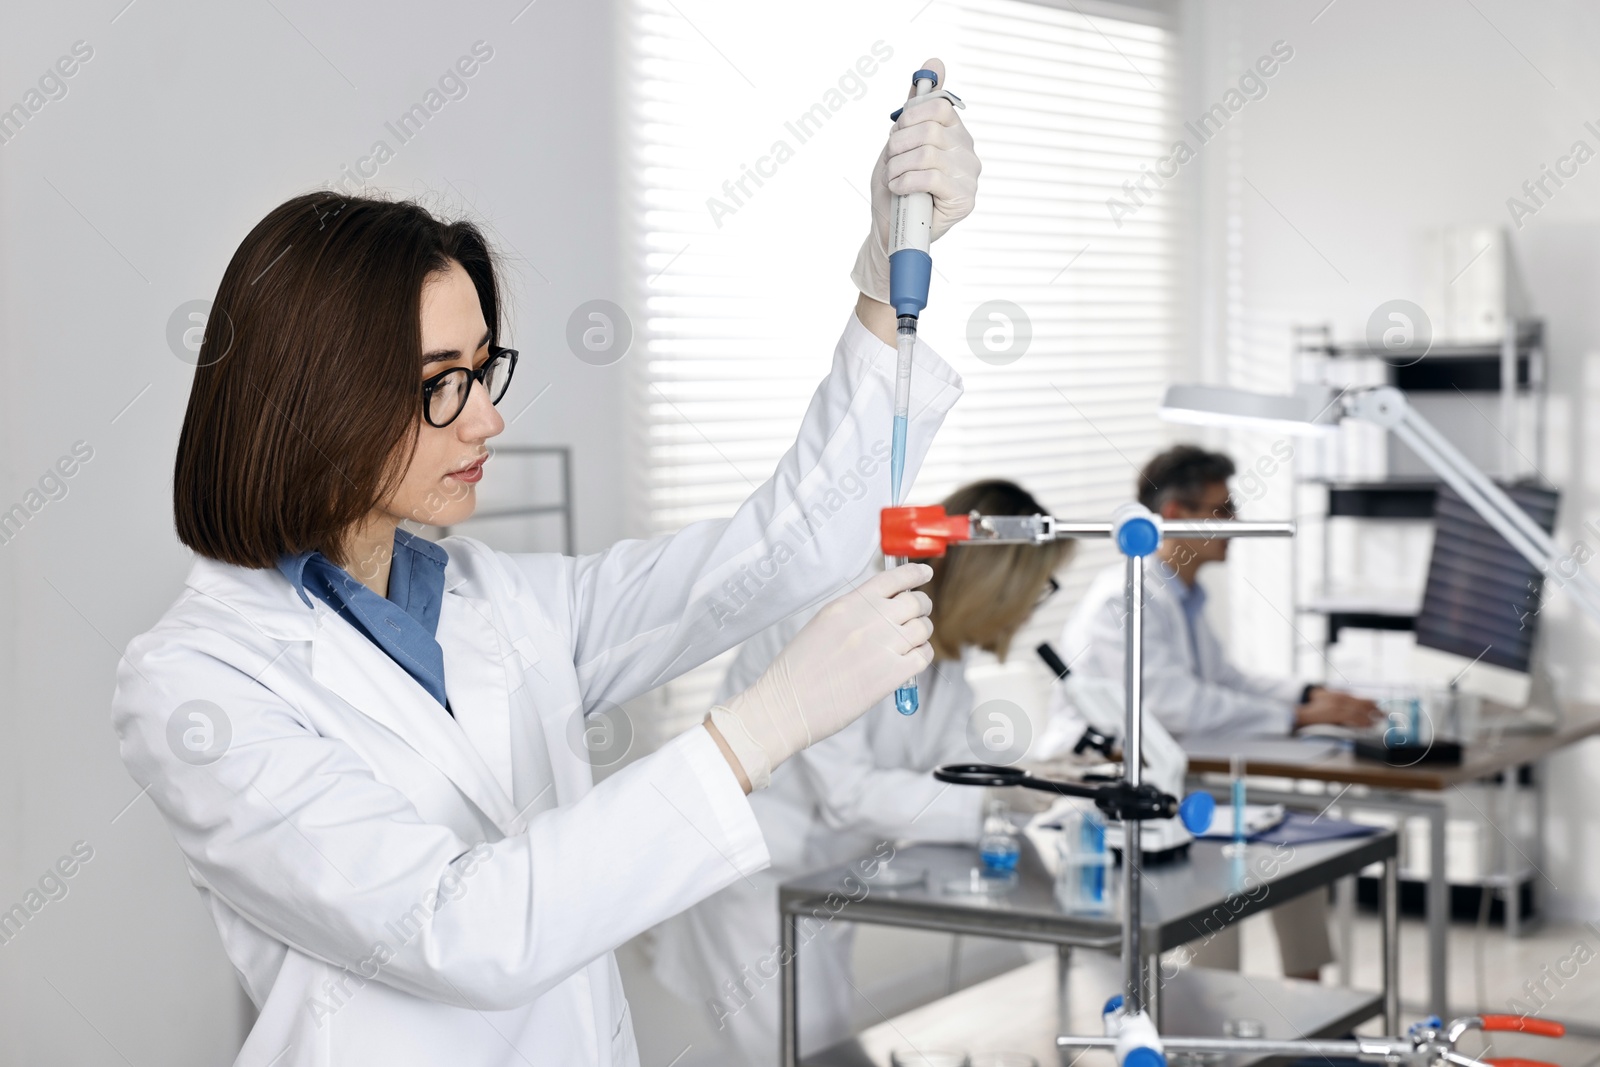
[1317, 409]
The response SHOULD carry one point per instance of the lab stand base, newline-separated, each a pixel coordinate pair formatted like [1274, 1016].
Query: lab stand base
[1025, 1009]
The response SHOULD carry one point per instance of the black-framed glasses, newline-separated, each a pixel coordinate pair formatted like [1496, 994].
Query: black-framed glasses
[1051, 589]
[444, 396]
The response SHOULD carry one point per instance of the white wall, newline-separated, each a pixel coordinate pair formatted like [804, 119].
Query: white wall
[118, 203]
[1390, 119]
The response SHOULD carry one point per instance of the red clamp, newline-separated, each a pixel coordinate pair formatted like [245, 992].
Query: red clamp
[921, 533]
[1524, 1024]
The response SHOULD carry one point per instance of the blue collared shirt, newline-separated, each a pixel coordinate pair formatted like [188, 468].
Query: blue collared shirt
[404, 624]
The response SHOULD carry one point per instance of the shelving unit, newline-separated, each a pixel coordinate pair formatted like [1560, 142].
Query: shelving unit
[1401, 500]
[1507, 377]
[1512, 369]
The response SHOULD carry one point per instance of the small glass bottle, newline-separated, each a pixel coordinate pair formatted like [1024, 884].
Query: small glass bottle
[998, 846]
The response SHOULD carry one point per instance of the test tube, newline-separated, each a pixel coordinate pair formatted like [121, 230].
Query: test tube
[906, 699]
[1236, 769]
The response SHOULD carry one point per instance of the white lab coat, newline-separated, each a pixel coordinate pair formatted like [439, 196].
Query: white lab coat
[1208, 697]
[395, 886]
[844, 798]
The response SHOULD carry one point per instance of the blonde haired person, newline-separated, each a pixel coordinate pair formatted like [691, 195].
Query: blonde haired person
[846, 796]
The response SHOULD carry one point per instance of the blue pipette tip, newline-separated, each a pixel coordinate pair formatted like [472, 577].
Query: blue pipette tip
[1196, 810]
[905, 700]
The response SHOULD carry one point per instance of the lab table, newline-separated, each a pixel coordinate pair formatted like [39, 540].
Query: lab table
[1422, 790]
[1183, 900]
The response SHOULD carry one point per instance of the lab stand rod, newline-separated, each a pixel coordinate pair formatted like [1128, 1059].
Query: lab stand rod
[1152, 985]
[1132, 743]
[1370, 1048]
[1224, 528]
[1137, 534]
[1133, 771]
[1038, 529]
[1309, 1047]
[788, 989]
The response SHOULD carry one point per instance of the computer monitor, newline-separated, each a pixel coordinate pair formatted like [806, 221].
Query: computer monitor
[1482, 598]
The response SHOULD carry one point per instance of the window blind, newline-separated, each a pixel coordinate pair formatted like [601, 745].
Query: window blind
[744, 288]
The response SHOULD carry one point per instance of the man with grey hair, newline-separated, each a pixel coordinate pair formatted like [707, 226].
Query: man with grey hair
[1189, 683]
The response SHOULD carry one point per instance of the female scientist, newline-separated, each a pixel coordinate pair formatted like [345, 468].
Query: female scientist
[867, 784]
[369, 746]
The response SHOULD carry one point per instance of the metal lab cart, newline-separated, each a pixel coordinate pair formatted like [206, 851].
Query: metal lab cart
[1181, 901]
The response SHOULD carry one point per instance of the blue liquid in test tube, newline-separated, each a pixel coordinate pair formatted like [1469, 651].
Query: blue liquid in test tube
[905, 698]
[1236, 769]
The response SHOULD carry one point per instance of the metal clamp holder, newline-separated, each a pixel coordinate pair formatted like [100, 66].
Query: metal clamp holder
[923, 532]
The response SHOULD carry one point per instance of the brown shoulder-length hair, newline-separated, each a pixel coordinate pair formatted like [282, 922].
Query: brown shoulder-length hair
[304, 409]
[982, 596]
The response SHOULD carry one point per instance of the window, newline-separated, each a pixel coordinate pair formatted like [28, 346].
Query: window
[744, 285]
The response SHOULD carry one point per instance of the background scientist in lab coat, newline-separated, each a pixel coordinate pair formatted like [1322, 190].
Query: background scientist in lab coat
[369, 747]
[867, 785]
[1189, 685]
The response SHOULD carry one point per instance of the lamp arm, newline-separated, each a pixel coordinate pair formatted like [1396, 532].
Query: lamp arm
[1451, 456]
[1481, 501]
[1388, 408]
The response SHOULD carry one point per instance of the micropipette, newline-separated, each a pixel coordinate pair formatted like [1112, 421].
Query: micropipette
[910, 266]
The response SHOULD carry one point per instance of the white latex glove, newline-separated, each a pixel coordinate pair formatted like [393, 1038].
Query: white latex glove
[854, 652]
[929, 151]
